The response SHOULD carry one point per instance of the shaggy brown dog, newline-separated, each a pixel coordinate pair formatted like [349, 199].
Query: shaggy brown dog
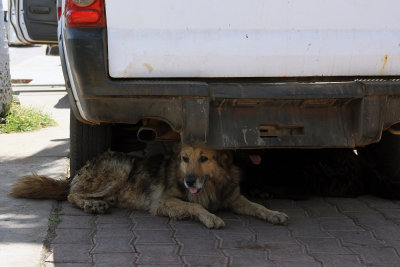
[188, 184]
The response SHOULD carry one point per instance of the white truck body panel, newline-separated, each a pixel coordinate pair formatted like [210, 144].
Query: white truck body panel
[252, 38]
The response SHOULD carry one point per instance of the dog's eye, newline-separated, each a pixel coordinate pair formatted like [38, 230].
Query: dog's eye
[203, 159]
[185, 159]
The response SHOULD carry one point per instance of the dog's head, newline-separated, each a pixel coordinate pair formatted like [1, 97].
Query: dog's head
[199, 164]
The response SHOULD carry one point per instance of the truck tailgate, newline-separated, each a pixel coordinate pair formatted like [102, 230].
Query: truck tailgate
[252, 38]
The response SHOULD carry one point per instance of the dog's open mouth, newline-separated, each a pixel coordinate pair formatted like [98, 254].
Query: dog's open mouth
[194, 190]
[195, 183]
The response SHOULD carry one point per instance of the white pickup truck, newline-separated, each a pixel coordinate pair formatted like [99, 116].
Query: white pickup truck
[232, 74]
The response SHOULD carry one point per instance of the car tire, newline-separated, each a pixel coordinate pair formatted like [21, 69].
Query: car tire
[86, 142]
[384, 157]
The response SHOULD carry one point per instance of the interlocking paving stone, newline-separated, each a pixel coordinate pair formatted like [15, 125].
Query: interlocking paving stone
[377, 256]
[278, 234]
[69, 253]
[308, 230]
[205, 260]
[161, 265]
[207, 247]
[323, 245]
[113, 229]
[189, 226]
[376, 202]
[371, 219]
[105, 244]
[237, 240]
[195, 231]
[139, 213]
[349, 204]
[317, 207]
[192, 224]
[154, 236]
[77, 222]
[248, 257]
[72, 236]
[391, 213]
[339, 224]
[387, 232]
[394, 244]
[287, 252]
[337, 260]
[120, 217]
[357, 238]
[297, 264]
[339, 232]
[114, 259]
[158, 254]
[151, 223]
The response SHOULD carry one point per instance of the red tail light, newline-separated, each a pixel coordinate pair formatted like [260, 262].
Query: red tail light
[85, 13]
[58, 13]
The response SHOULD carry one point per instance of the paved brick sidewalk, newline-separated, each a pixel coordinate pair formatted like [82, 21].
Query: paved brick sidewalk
[322, 232]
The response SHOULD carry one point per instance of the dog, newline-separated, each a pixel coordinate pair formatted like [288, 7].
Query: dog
[190, 183]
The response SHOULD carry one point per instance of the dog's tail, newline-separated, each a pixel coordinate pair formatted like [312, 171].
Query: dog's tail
[40, 187]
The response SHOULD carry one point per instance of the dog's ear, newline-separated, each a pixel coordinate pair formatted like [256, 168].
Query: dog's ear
[224, 158]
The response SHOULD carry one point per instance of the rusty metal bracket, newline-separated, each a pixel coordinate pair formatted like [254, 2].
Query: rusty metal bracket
[196, 120]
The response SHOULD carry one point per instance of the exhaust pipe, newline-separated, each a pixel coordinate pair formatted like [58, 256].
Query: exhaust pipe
[149, 134]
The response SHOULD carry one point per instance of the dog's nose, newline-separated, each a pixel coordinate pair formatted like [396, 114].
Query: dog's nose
[190, 180]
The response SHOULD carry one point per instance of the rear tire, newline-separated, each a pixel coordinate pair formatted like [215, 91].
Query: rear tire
[86, 142]
[384, 157]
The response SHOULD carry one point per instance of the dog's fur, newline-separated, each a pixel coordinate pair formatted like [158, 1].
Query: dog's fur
[190, 183]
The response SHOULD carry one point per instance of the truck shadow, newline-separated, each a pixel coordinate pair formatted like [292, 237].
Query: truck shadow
[300, 174]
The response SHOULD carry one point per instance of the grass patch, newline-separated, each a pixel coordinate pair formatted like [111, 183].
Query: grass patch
[23, 119]
[54, 219]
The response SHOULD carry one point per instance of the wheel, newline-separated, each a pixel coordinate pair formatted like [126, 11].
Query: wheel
[384, 157]
[86, 142]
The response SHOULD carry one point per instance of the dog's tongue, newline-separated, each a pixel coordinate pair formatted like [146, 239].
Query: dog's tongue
[255, 159]
[193, 190]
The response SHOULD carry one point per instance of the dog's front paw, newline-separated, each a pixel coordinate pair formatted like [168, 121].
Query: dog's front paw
[212, 221]
[277, 217]
[95, 206]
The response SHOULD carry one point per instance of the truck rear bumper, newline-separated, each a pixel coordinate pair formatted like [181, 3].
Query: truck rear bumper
[230, 113]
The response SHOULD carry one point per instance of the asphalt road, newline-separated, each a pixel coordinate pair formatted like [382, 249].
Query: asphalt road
[361, 231]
